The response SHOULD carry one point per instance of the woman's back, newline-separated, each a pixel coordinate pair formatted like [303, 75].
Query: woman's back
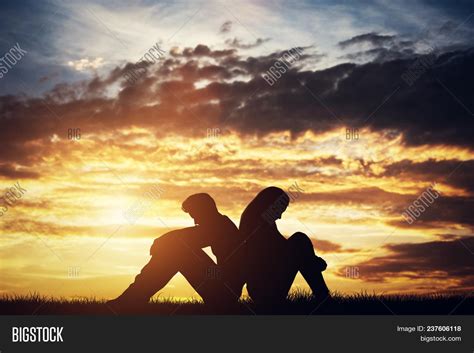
[272, 261]
[258, 227]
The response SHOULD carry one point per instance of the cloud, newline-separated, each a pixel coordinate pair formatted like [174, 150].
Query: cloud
[450, 260]
[372, 38]
[86, 63]
[226, 27]
[371, 95]
[237, 43]
[374, 47]
[444, 211]
[28, 226]
[199, 51]
[457, 173]
[23, 226]
[326, 246]
[12, 172]
[152, 130]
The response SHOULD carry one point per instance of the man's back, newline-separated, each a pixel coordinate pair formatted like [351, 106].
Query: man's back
[222, 236]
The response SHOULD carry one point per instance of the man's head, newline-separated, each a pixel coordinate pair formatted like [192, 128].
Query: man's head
[201, 207]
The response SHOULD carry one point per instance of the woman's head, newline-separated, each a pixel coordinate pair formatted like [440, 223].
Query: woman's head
[268, 205]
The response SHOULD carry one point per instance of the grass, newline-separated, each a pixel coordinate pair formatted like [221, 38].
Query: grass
[298, 303]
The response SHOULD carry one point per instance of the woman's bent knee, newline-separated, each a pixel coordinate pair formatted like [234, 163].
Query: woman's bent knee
[300, 239]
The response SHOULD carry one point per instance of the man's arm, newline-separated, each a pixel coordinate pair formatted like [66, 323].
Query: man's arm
[196, 237]
[193, 237]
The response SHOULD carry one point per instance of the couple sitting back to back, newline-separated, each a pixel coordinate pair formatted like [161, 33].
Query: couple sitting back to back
[256, 254]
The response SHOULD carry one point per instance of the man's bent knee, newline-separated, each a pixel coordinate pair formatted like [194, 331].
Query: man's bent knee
[168, 242]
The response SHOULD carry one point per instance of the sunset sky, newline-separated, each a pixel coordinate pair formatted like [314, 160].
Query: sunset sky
[343, 123]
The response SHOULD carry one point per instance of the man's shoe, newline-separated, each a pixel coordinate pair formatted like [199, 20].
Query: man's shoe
[119, 305]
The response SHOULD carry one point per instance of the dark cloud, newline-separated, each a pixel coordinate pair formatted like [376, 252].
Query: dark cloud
[326, 246]
[238, 44]
[381, 54]
[202, 50]
[11, 172]
[50, 229]
[374, 47]
[451, 261]
[42, 228]
[226, 27]
[434, 110]
[359, 196]
[459, 174]
[383, 48]
[372, 38]
[444, 211]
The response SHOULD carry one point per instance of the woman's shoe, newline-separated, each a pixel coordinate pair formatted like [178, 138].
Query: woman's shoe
[321, 264]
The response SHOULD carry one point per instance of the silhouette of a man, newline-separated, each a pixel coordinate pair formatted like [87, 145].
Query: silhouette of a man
[181, 251]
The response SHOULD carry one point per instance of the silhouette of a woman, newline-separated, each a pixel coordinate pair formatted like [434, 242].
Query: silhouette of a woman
[273, 260]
